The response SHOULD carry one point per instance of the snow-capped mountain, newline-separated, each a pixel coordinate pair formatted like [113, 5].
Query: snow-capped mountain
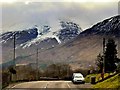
[43, 38]
[68, 31]
[80, 51]
[110, 26]
[20, 36]
[35, 35]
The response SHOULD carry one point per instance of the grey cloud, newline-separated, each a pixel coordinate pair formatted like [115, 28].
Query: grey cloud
[50, 13]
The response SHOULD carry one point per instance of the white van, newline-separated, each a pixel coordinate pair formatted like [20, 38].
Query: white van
[78, 78]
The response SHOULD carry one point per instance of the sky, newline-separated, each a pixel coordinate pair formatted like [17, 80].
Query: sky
[24, 14]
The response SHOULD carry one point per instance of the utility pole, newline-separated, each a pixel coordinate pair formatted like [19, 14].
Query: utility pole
[103, 71]
[12, 69]
[14, 50]
[37, 69]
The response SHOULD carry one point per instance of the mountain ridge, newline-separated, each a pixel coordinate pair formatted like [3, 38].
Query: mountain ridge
[111, 24]
[80, 51]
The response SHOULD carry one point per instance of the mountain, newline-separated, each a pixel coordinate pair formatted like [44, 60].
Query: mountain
[68, 31]
[21, 36]
[83, 50]
[26, 41]
[109, 26]
[80, 51]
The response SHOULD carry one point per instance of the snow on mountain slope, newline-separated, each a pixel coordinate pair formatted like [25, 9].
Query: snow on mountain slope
[20, 36]
[40, 37]
[68, 31]
[110, 26]
[36, 34]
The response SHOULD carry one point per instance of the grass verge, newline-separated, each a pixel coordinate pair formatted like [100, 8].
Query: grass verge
[98, 77]
[113, 82]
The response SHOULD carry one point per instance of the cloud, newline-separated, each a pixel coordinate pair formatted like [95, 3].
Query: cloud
[20, 15]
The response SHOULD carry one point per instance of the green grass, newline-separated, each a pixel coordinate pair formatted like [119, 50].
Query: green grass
[98, 77]
[88, 77]
[113, 82]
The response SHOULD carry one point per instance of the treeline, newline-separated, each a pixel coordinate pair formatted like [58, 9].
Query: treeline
[28, 73]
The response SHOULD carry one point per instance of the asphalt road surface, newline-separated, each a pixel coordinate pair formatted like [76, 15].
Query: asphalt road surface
[50, 84]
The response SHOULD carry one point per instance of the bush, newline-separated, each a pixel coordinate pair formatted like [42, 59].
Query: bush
[118, 67]
[22, 73]
[6, 78]
[60, 71]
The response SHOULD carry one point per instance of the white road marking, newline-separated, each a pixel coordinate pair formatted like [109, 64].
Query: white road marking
[68, 85]
[46, 85]
[13, 86]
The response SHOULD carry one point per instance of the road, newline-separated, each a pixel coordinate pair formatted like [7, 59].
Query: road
[50, 84]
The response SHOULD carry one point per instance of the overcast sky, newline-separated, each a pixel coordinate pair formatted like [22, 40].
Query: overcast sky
[26, 14]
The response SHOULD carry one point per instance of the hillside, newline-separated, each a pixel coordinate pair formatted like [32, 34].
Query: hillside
[113, 82]
[78, 52]
[82, 51]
